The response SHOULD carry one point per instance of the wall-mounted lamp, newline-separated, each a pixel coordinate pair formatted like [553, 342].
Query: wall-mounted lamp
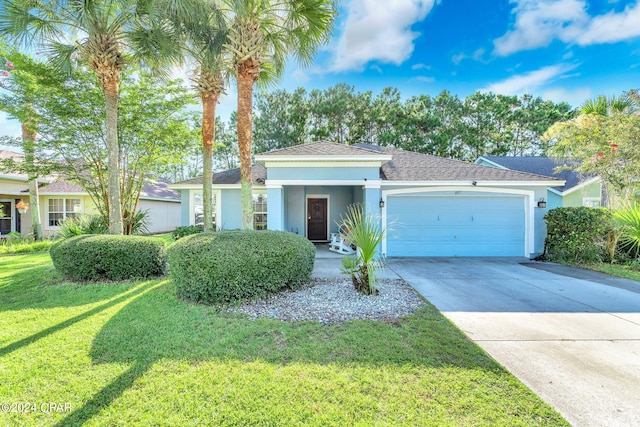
[542, 203]
[474, 183]
[381, 204]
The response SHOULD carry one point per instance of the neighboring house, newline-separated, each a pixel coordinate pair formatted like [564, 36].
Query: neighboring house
[60, 199]
[431, 206]
[578, 190]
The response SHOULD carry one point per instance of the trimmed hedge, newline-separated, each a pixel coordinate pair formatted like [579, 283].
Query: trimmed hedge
[106, 257]
[578, 234]
[186, 230]
[229, 266]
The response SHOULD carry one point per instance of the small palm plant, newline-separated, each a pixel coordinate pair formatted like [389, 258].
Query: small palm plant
[628, 220]
[366, 233]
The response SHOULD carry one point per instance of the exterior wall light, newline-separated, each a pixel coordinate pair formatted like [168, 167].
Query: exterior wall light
[542, 203]
[381, 204]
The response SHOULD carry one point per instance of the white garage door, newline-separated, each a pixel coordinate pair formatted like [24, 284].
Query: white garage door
[422, 225]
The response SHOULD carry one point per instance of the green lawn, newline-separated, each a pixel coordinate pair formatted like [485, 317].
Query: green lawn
[133, 354]
[618, 270]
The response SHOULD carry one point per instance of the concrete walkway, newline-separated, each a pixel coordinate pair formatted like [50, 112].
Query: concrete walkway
[571, 336]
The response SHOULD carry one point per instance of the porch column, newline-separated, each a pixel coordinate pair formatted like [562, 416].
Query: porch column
[372, 196]
[275, 207]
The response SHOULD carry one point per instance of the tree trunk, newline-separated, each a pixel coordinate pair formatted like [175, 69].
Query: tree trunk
[110, 89]
[28, 144]
[209, 101]
[246, 75]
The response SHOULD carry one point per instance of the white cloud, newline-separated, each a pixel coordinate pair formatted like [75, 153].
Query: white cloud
[537, 23]
[425, 79]
[529, 82]
[476, 56]
[300, 76]
[378, 32]
[574, 97]
[420, 67]
[9, 127]
[376, 68]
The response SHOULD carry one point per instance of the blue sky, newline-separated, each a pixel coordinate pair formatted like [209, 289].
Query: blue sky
[563, 50]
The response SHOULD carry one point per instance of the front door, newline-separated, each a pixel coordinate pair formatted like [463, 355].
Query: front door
[7, 220]
[317, 219]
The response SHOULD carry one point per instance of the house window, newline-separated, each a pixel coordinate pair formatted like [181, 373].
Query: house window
[60, 209]
[198, 209]
[591, 202]
[259, 211]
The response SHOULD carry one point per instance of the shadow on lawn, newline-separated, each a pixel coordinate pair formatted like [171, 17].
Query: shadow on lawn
[157, 325]
[38, 285]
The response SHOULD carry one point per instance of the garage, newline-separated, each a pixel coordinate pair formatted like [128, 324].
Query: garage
[456, 225]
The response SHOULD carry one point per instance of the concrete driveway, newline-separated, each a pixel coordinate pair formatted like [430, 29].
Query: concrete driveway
[571, 336]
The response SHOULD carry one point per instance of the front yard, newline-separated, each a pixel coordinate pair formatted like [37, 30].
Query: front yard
[132, 353]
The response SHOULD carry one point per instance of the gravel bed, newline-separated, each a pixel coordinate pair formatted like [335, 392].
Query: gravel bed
[330, 301]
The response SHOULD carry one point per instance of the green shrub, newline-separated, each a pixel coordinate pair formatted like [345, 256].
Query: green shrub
[106, 257]
[579, 234]
[229, 266]
[187, 230]
[628, 220]
[82, 224]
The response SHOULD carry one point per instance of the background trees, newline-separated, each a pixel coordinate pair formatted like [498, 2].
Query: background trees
[603, 140]
[445, 125]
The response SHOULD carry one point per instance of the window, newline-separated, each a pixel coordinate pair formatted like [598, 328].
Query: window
[59, 209]
[198, 209]
[591, 202]
[259, 211]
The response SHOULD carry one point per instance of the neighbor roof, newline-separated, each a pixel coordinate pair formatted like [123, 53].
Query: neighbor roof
[154, 188]
[542, 166]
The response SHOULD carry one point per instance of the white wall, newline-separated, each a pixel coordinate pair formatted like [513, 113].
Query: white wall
[163, 216]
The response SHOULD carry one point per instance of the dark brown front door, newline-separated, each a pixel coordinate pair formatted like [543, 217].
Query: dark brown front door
[317, 219]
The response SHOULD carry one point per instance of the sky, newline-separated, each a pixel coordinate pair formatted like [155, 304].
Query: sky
[561, 50]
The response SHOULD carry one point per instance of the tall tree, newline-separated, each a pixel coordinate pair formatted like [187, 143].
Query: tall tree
[202, 33]
[154, 132]
[100, 34]
[262, 34]
[25, 81]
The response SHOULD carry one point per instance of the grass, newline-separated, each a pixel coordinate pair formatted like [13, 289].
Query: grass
[619, 270]
[131, 353]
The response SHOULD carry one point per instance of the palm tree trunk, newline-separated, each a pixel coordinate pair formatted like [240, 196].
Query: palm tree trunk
[28, 144]
[209, 101]
[110, 89]
[246, 77]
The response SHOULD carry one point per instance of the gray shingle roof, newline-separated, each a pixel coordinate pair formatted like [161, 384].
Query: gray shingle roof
[412, 166]
[323, 148]
[232, 176]
[542, 166]
[155, 188]
[403, 166]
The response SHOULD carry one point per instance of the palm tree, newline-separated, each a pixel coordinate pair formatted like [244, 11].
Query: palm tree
[202, 34]
[604, 106]
[262, 33]
[100, 34]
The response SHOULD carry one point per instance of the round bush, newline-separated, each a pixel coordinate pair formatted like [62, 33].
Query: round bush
[233, 265]
[106, 257]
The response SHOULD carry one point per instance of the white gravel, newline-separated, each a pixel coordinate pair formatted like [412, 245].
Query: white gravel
[331, 301]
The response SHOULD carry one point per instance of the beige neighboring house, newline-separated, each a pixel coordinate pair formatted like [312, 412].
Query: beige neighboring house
[60, 199]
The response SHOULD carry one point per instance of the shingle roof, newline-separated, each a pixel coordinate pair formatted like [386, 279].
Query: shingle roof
[232, 176]
[155, 188]
[542, 166]
[412, 166]
[403, 166]
[323, 148]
